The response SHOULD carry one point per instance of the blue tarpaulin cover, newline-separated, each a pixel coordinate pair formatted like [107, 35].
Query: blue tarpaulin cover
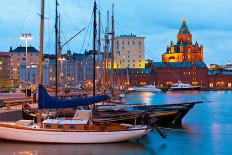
[49, 102]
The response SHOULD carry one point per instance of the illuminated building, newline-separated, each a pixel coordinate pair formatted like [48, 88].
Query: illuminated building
[184, 50]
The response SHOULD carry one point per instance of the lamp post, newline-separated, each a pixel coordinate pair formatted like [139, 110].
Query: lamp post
[61, 70]
[26, 37]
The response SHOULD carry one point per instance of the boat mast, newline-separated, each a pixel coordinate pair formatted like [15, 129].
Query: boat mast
[59, 49]
[99, 47]
[41, 43]
[112, 46]
[56, 48]
[106, 52]
[94, 45]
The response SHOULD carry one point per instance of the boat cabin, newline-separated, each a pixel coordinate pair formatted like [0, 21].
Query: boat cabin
[81, 119]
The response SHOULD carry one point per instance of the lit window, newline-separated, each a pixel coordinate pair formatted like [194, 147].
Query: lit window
[229, 85]
[211, 85]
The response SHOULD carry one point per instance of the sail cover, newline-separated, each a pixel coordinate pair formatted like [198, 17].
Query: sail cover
[49, 102]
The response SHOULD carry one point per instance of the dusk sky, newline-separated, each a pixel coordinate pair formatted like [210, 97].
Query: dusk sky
[158, 20]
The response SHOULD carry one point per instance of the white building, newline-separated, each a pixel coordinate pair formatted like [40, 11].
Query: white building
[129, 52]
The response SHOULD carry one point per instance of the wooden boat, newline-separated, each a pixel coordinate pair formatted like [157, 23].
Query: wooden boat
[80, 129]
[69, 131]
[169, 115]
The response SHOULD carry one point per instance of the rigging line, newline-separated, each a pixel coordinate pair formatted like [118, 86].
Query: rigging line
[90, 34]
[20, 28]
[149, 52]
[86, 33]
[69, 19]
[123, 30]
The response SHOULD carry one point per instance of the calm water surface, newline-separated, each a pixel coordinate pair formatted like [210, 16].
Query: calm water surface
[207, 129]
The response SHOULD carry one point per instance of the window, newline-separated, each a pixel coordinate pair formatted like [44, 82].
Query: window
[133, 42]
[128, 42]
[128, 52]
[72, 126]
[139, 42]
[211, 85]
[128, 56]
[48, 126]
[59, 126]
[140, 56]
[229, 85]
[18, 54]
[128, 60]
[133, 65]
[139, 65]
[133, 60]
[123, 42]
[139, 60]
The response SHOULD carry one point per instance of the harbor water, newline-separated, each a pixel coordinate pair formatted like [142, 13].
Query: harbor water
[207, 130]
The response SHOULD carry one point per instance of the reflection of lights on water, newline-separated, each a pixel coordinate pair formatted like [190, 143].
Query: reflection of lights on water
[34, 152]
[146, 97]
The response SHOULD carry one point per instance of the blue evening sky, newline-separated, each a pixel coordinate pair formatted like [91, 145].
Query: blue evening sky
[158, 20]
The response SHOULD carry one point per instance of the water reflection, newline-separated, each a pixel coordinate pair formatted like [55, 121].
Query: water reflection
[82, 149]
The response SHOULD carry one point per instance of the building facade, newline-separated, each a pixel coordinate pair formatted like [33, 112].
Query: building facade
[4, 69]
[129, 52]
[18, 64]
[184, 50]
[167, 73]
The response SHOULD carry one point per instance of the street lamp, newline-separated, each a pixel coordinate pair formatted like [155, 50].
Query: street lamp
[26, 37]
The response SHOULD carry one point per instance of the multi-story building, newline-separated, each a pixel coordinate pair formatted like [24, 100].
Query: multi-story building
[129, 52]
[167, 73]
[4, 69]
[84, 66]
[184, 50]
[18, 63]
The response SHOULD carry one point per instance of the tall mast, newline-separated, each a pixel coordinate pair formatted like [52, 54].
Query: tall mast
[41, 43]
[112, 46]
[56, 47]
[94, 45]
[99, 46]
[106, 52]
[59, 49]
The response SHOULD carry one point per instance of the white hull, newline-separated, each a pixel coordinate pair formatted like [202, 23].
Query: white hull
[137, 89]
[42, 136]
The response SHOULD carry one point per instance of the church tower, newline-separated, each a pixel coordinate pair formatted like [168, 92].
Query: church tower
[184, 50]
[184, 34]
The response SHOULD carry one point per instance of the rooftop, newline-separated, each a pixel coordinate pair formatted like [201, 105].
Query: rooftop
[23, 49]
[4, 54]
[134, 70]
[219, 72]
[179, 64]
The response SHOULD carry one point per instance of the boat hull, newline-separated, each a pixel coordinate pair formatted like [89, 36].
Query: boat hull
[44, 136]
[146, 90]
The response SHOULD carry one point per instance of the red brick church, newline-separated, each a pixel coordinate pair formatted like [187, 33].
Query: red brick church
[184, 50]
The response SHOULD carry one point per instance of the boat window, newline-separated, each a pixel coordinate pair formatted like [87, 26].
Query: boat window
[59, 126]
[48, 126]
[72, 126]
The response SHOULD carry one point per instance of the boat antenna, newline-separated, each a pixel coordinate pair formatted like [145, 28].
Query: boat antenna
[56, 48]
[41, 43]
[94, 45]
